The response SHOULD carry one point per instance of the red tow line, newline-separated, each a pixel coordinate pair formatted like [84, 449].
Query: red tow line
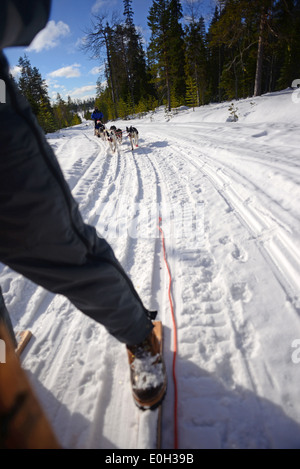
[174, 338]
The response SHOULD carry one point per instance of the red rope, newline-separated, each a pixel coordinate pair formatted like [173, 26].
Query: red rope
[175, 338]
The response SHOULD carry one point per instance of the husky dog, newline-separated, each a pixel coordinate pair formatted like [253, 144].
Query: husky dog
[119, 135]
[99, 129]
[110, 136]
[133, 136]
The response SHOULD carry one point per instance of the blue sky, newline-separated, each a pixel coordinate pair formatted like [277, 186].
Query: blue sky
[56, 53]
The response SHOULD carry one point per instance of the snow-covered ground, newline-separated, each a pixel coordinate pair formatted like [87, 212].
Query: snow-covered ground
[229, 197]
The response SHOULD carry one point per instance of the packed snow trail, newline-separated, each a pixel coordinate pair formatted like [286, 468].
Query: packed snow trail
[228, 195]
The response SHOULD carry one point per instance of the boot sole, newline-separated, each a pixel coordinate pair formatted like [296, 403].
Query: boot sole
[153, 403]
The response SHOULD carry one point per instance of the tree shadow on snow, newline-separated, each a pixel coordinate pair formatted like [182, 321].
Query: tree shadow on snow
[72, 429]
[149, 147]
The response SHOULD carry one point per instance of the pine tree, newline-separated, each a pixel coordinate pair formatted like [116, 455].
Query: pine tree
[175, 102]
[142, 107]
[264, 10]
[122, 109]
[246, 32]
[76, 120]
[133, 56]
[64, 114]
[287, 28]
[233, 31]
[34, 88]
[46, 117]
[192, 96]
[166, 49]
[99, 37]
[125, 67]
[215, 57]
[128, 13]
[177, 49]
[197, 58]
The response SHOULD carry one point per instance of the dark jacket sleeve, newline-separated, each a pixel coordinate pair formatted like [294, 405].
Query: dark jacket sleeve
[21, 20]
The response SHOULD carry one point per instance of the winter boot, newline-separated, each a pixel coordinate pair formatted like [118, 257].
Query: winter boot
[147, 372]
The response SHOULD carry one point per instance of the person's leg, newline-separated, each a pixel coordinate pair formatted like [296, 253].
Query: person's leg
[43, 235]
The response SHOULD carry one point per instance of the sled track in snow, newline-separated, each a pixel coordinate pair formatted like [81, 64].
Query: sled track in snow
[223, 366]
[272, 236]
[207, 316]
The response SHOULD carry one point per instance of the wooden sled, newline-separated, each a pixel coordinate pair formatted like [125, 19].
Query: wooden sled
[23, 337]
[158, 329]
[23, 423]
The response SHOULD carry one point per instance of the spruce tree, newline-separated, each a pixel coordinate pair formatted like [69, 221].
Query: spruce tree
[196, 58]
[177, 49]
[34, 88]
[215, 56]
[128, 12]
[64, 114]
[166, 49]
[126, 68]
[134, 57]
[248, 33]
[98, 38]
[287, 27]
[46, 117]
[192, 96]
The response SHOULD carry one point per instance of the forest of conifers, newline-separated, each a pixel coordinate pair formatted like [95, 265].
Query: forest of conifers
[247, 49]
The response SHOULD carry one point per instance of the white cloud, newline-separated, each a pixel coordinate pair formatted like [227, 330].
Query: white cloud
[15, 71]
[101, 4]
[98, 5]
[72, 71]
[49, 37]
[88, 90]
[81, 41]
[145, 34]
[97, 70]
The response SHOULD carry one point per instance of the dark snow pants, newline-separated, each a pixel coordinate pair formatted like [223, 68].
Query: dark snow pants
[43, 236]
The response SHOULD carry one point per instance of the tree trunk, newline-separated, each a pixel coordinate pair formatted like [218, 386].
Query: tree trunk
[260, 56]
[168, 84]
[111, 73]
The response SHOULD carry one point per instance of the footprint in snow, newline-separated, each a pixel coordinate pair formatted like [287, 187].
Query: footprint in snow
[239, 254]
[241, 292]
[213, 309]
[88, 332]
[207, 276]
[224, 240]
[206, 261]
[212, 294]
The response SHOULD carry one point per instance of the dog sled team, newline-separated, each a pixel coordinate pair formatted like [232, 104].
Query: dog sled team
[113, 135]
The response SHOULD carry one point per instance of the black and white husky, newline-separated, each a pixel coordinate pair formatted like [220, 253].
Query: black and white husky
[101, 131]
[110, 137]
[133, 136]
[118, 133]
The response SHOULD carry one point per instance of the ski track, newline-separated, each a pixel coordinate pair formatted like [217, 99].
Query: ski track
[213, 318]
[230, 395]
[234, 322]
